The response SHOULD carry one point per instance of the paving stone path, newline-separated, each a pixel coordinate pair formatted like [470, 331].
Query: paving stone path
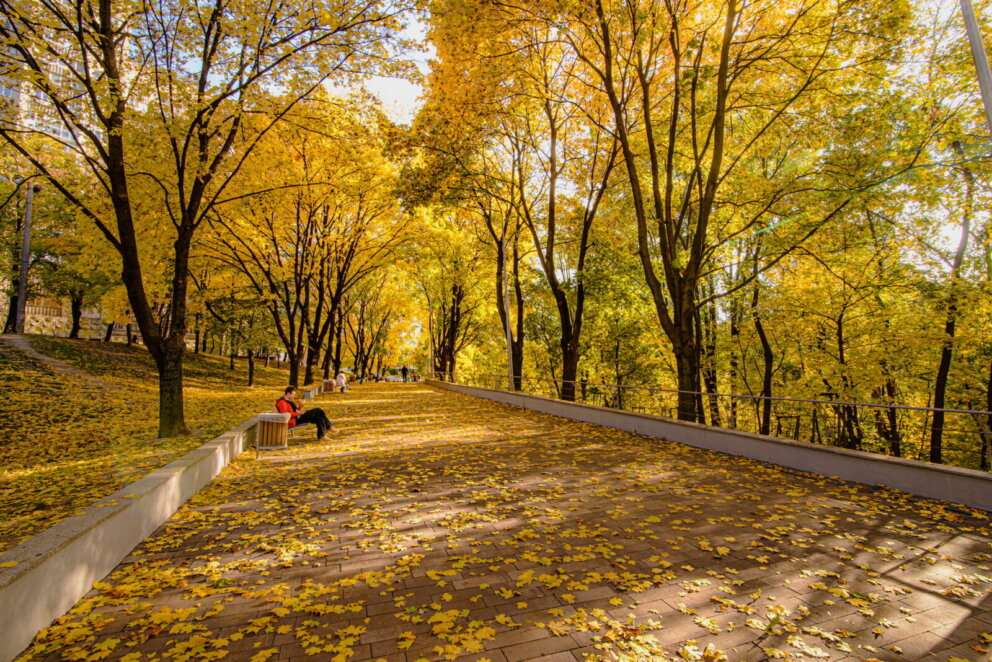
[438, 526]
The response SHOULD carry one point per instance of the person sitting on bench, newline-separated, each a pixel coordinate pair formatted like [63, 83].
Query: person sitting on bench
[297, 416]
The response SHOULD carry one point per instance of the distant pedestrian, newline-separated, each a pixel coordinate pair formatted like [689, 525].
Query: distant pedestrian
[404, 372]
[341, 381]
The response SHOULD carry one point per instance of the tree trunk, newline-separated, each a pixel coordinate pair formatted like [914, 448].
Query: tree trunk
[308, 368]
[940, 387]
[76, 308]
[886, 422]
[985, 461]
[172, 418]
[765, 423]
[294, 369]
[850, 435]
[338, 342]
[687, 368]
[328, 355]
[325, 362]
[947, 346]
[502, 301]
[110, 332]
[231, 364]
[518, 341]
[9, 326]
[735, 333]
[708, 327]
[127, 330]
[569, 371]
[251, 367]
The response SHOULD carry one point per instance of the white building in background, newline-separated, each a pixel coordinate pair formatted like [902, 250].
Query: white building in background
[27, 108]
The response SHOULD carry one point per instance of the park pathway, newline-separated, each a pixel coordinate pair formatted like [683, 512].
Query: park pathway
[22, 343]
[438, 526]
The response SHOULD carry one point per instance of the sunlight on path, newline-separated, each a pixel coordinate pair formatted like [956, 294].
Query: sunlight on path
[439, 526]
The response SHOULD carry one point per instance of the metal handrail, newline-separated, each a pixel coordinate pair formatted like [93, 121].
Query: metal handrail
[874, 405]
[804, 418]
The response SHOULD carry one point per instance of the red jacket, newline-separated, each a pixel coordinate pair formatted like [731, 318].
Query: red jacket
[285, 406]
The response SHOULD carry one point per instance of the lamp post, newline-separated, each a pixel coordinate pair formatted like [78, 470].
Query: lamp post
[22, 278]
[980, 58]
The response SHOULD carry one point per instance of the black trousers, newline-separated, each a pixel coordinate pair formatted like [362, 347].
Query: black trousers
[318, 418]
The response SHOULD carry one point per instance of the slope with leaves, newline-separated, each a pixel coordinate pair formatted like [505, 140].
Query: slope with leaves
[67, 440]
[439, 526]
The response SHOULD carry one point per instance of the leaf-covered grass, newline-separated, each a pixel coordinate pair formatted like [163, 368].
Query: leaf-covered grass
[68, 440]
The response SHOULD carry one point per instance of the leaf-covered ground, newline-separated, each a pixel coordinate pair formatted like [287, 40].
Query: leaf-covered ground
[71, 436]
[439, 526]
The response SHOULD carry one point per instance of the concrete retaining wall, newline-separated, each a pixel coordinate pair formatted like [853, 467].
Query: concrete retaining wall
[58, 566]
[972, 488]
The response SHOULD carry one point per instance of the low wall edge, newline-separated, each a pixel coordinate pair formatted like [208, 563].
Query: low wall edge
[57, 567]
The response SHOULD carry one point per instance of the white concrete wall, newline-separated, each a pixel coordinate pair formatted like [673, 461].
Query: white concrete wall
[966, 486]
[58, 566]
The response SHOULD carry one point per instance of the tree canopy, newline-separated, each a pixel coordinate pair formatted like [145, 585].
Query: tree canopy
[752, 198]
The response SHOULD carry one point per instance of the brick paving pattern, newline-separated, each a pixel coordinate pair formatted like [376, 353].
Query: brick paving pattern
[438, 526]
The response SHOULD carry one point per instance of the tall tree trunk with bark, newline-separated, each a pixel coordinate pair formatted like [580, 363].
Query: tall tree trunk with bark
[339, 341]
[768, 359]
[736, 316]
[10, 324]
[950, 320]
[76, 311]
[985, 458]
[519, 337]
[674, 289]
[170, 370]
[708, 327]
[886, 420]
[570, 317]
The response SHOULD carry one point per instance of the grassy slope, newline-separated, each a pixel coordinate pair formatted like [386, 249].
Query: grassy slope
[67, 441]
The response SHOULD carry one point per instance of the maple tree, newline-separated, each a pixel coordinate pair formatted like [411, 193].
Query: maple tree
[315, 221]
[445, 267]
[165, 90]
[772, 156]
